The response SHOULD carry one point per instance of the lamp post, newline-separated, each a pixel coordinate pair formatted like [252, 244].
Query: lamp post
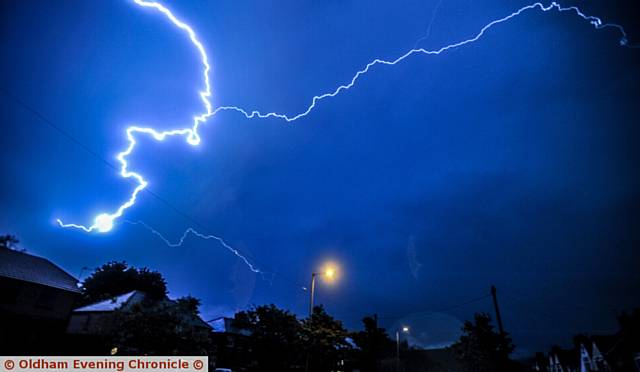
[405, 329]
[329, 273]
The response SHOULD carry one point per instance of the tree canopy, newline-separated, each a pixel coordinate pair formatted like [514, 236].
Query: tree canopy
[325, 340]
[155, 326]
[117, 278]
[275, 336]
[158, 328]
[281, 342]
[481, 348]
[374, 344]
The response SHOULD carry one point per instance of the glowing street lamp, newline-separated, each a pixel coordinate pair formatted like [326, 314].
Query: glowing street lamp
[329, 274]
[405, 329]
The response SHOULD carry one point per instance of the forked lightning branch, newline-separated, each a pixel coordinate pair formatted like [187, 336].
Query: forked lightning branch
[105, 221]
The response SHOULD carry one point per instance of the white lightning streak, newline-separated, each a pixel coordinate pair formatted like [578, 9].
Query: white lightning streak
[104, 221]
[192, 231]
[595, 21]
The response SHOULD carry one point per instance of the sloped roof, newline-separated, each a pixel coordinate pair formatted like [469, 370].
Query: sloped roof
[196, 321]
[108, 305]
[225, 325]
[220, 325]
[34, 269]
[127, 300]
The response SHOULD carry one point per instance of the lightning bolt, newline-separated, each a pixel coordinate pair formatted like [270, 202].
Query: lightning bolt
[595, 21]
[193, 232]
[104, 222]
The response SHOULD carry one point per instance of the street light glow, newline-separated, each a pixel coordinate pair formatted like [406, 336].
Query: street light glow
[330, 272]
[405, 329]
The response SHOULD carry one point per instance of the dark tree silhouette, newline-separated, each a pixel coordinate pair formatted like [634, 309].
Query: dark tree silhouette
[116, 278]
[190, 304]
[481, 348]
[158, 328]
[324, 341]
[628, 342]
[374, 344]
[274, 336]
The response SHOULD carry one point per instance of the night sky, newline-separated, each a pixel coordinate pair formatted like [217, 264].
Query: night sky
[511, 161]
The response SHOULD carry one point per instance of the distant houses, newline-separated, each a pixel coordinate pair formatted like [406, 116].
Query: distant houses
[88, 320]
[584, 358]
[36, 300]
[91, 319]
[39, 313]
[92, 327]
[231, 345]
[601, 353]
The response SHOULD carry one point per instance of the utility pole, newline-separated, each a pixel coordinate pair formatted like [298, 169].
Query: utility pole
[329, 273]
[495, 305]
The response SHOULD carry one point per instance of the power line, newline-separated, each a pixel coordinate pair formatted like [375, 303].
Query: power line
[63, 132]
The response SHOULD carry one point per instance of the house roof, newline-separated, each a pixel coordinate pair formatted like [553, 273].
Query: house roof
[222, 325]
[127, 300]
[34, 269]
[109, 304]
[226, 325]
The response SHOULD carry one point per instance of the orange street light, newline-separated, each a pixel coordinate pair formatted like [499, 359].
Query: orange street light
[329, 273]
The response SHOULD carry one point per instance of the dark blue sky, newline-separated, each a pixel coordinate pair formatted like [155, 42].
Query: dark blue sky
[510, 161]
